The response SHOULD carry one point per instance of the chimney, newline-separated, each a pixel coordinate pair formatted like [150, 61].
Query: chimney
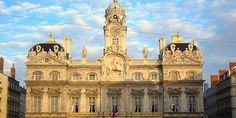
[1, 64]
[222, 72]
[195, 42]
[67, 46]
[162, 44]
[13, 71]
[214, 80]
[232, 67]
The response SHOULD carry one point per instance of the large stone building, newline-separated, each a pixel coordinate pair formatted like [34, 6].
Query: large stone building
[220, 98]
[169, 86]
[9, 94]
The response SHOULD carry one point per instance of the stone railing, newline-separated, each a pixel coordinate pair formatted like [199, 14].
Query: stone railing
[118, 114]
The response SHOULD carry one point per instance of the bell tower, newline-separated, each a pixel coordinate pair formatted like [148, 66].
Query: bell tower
[115, 30]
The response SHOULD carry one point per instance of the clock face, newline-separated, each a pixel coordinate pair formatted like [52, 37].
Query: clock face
[115, 31]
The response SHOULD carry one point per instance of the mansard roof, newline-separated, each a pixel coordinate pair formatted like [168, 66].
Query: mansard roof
[181, 46]
[54, 47]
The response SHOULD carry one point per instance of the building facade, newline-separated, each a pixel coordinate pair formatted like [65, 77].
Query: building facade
[22, 102]
[9, 94]
[223, 90]
[170, 86]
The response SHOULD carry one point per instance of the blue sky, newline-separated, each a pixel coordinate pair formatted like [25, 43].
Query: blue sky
[212, 23]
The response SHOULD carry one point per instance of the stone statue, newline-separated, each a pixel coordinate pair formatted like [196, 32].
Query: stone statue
[145, 53]
[84, 53]
[32, 53]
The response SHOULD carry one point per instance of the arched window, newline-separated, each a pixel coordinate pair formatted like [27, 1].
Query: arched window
[138, 76]
[174, 75]
[55, 75]
[190, 75]
[92, 76]
[75, 76]
[37, 75]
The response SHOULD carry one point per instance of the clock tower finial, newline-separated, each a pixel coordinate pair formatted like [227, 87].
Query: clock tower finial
[115, 1]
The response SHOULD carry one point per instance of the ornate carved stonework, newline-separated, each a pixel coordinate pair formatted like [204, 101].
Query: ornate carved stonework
[74, 92]
[47, 59]
[37, 91]
[114, 67]
[91, 91]
[175, 56]
[114, 92]
[54, 90]
[137, 92]
[174, 90]
[153, 92]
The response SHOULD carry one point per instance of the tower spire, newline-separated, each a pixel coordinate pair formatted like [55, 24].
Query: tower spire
[115, 1]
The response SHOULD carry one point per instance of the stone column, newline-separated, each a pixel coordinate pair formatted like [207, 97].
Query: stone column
[28, 100]
[183, 102]
[145, 101]
[83, 102]
[45, 102]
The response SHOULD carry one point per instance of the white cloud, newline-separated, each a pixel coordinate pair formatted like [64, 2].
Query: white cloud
[48, 9]
[3, 10]
[25, 6]
[26, 36]
[14, 45]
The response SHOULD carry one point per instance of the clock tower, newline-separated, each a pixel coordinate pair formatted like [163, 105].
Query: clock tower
[115, 30]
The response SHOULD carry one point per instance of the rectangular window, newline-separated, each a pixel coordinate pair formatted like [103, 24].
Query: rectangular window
[175, 104]
[114, 103]
[137, 104]
[192, 104]
[92, 104]
[55, 76]
[54, 103]
[38, 76]
[154, 76]
[91, 77]
[76, 77]
[37, 103]
[154, 104]
[75, 104]
[138, 76]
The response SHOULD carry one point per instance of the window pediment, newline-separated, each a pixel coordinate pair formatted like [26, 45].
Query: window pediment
[37, 91]
[54, 90]
[114, 92]
[91, 91]
[153, 92]
[191, 91]
[137, 92]
[74, 92]
[174, 90]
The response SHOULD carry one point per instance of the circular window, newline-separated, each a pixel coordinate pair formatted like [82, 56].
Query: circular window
[115, 16]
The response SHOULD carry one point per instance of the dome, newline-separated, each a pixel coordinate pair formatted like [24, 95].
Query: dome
[115, 8]
[49, 46]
